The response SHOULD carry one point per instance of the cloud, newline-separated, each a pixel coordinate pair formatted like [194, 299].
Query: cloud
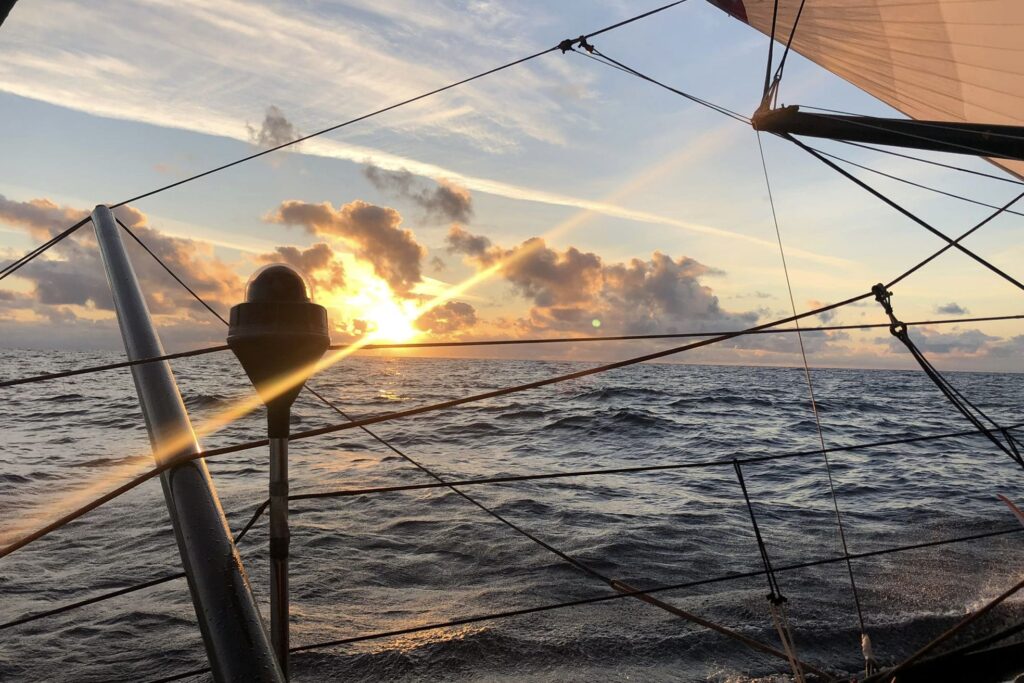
[952, 308]
[43, 218]
[374, 233]
[318, 263]
[275, 130]
[572, 290]
[446, 201]
[452, 316]
[72, 274]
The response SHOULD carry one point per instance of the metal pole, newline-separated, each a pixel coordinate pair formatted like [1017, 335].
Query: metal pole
[279, 540]
[232, 629]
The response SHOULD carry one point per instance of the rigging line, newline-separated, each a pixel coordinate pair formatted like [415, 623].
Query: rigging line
[601, 58]
[912, 183]
[995, 269]
[395, 415]
[932, 162]
[899, 330]
[13, 266]
[607, 598]
[789, 43]
[113, 366]
[664, 335]
[774, 592]
[508, 342]
[345, 493]
[402, 414]
[771, 49]
[578, 564]
[169, 271]
[943, 250]
[388, 108]
[106, 596]
[810, 391]
[493, 513]
[262, 507]
[693, 98]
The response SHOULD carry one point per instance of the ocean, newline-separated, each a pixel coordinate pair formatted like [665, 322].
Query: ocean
[378, 562]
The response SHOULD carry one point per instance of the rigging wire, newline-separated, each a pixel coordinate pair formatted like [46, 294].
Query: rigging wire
[507, 342]
[602, 58]
[443, 405]
[578, 564]
[62, 609]
[932, 162]
[494, 616]
[379, 490]
[777, 78]
[771, 51]
[13, 266]
[391, 107]
[911, 182]
[959, 401]
[906, 212]
[810, 391]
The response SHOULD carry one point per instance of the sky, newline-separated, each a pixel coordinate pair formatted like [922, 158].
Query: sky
[558, 198]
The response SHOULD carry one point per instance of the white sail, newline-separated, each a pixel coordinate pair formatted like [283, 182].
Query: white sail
[946, 60]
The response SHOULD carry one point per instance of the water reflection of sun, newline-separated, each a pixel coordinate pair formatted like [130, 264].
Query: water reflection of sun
[368, 306]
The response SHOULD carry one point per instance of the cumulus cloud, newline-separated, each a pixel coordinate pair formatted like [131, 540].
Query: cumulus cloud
[43, 218]
[452, 316]
[575, 290]
[318, 263]
[72, 274]
[374, 233]
[952, 308]
[444, 201]
[275, 130]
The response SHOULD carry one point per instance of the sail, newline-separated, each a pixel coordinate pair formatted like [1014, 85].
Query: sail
[945, 60]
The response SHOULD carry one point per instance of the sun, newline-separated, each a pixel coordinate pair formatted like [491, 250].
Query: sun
[367, 306]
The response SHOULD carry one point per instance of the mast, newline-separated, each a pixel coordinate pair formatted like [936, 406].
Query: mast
[232, 629]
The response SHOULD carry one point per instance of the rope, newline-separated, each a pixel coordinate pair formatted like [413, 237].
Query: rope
[959, 401]
[402, 414]
[776, 601]
[106, 596]
[912, 183]
[906, 212]
[814, 404]
[13, 266]
[618, 596]
[608, 61]
[260, 509]
[789, 43]
[771, 49]
[129, 485]
[170, 272]
[111, 366]
[951, 167]
[493, 513]
[388, 108]
[510, 342]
